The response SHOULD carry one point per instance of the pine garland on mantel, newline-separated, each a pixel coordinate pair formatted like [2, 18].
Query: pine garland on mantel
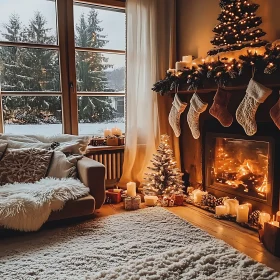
[223, 71]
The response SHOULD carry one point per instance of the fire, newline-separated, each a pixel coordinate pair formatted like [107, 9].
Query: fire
[263, 188]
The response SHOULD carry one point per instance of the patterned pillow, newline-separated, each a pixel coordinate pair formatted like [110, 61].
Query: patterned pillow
[24, 165]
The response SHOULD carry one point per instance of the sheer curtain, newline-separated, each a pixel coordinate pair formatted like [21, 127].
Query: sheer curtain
[150, 52]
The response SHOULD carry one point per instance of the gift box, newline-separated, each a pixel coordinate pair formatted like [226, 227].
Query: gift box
[179, 199]
[112, 141]
[270, 236]
[121, 141]
[132, 203]
[113, 196]
[167, 201]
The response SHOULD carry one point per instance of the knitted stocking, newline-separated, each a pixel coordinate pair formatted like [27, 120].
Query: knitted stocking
[246, 111]
[219, 107]
[275, 113]
[197, 106]
[178, 107]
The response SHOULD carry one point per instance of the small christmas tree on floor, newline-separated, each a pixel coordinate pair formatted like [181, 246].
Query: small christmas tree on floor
[238, 27]
[165, 178]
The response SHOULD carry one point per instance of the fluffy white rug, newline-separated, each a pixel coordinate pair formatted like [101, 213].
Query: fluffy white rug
[26, 206]
[146, 244]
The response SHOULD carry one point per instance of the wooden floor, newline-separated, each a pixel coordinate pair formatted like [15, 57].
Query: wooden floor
[242, 239]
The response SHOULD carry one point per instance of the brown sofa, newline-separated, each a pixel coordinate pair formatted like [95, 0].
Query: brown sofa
[92, 175]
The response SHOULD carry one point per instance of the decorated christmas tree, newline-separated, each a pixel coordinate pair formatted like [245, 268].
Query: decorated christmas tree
[238, 27]
[165, 178]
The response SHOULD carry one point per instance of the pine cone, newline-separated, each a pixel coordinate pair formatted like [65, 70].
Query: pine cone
[221, 200]
[209, 200]
[254, 217]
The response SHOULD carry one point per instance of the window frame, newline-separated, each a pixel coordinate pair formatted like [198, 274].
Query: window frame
[67, 52]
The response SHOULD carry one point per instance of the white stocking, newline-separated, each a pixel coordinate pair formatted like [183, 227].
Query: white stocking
[197, 106]
[246, 111]
[178, 107]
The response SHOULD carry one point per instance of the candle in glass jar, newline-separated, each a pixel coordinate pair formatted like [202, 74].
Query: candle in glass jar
[107, 132]
[131, 189]
[242, 213]
[221, 210]
[264, 218]
[116, 131]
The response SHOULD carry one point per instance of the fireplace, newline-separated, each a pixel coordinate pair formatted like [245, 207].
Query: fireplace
[240, 166]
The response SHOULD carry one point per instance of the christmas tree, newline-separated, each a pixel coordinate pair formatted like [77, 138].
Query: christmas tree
[165, 177]
[238, 27]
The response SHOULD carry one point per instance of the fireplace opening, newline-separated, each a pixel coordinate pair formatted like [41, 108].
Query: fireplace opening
[240, 166]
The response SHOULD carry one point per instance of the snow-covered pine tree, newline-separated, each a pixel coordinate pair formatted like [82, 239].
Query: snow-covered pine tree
[91, 75]
[165, 178]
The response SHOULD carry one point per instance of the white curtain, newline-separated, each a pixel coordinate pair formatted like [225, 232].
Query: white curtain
[150, 52]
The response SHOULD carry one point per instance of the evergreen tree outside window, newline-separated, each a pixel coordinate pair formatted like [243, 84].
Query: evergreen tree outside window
[30, 66]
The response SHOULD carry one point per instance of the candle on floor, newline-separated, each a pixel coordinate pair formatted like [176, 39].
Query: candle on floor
[231, 205]
[278, 216]
[131, 189]
[250, 207]
[107, 132]
[273, 222]
[150, 200]
[264, 218]
[197, 197]
[221, 210]
[242, 213]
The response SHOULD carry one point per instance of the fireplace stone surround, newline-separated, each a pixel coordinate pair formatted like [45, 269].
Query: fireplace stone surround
[195, 152]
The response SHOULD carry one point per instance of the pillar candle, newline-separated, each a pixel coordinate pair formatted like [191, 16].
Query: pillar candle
[171, 71]
[264, 218]
[187, 58]
[197, 197]
[242, 213]
[181, 65]
[231, 205]
[150, 200]
[278, 216]
[221, 210]
[273, 222]
[131, 189]
[116, 131]
[250, 207]
[107, 132]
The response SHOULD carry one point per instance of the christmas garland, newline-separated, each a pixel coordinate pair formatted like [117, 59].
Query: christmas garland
[222, 72]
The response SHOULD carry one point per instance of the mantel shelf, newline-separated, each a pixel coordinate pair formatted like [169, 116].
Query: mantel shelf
[232, 88]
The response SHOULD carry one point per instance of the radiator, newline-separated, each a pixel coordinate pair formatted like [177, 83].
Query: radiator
[113, 161]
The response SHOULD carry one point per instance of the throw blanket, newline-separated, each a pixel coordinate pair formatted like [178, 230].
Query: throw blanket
[26, 206]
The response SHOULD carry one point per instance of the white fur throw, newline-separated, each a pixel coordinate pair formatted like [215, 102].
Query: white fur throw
[26, 206]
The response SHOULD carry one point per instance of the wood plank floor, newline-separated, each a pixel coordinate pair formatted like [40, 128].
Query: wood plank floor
[242, 239]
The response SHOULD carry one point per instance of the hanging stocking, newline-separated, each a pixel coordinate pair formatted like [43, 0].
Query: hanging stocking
[197, 106]
[178, 107]
[219, 108]
[275, 113]
[246, 111]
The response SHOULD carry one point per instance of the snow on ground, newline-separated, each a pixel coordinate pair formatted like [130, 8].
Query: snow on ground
[95, 129]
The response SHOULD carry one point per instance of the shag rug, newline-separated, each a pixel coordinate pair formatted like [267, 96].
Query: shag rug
[150, 244]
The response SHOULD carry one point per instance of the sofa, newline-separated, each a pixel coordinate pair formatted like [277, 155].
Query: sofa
[66, 152]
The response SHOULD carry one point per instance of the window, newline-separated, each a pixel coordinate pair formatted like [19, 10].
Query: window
[62, 66]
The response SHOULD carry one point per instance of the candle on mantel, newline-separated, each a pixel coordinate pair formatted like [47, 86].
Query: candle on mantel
[171, 71]
[187, 58]
[197, 195]
[131, 189]
[221, 210]
[107, 132]
[181, 65]
[231, 205]
[242, 213]
[264, 218]
[116, 131]
[150, 200]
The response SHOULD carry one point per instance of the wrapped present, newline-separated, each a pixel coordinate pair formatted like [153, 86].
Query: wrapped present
[132, 203]
[179, 199]
[112, 141]
[167, 201]
[113, 196]
[121, 141]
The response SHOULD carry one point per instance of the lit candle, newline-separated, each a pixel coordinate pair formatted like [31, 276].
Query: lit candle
[181, 65]
[231, 205]
[150, 200]
[116, 131]
[187, 58]
[242, 213]
[221, 210]
[273, 222]
[278, 216]
[171, 71]
[264, 218]
[107, 132]
[198, 194]
[131, 189]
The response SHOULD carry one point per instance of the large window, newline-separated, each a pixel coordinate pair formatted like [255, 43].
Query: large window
[62, 66]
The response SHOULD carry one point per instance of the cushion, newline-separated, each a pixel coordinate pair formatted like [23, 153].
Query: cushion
[24, 165]
[3, 147]
[61, 167]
